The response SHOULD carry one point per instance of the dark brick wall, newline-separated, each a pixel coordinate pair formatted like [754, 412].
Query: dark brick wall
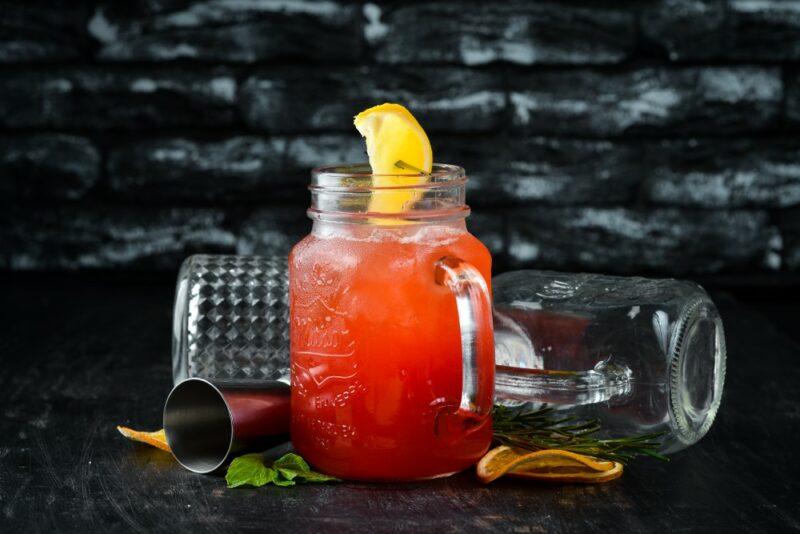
[649, 136]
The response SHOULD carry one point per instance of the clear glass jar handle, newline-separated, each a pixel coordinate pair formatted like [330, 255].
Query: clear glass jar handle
[520, 378]
[607, 382]
[474, 304]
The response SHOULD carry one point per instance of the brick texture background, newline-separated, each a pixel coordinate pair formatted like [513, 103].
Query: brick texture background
[656, 137]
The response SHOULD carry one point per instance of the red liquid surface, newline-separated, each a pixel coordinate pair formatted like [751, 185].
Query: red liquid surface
[376, 353]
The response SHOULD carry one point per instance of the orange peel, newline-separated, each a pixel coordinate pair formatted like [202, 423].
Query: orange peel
[552, 465]
[156, 439]
[577, 477]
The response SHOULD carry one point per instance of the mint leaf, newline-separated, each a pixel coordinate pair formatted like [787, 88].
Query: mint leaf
[288, 474]
[249, 470]
[313, 476]
[292, 461]
[283, 482]
[292, 466]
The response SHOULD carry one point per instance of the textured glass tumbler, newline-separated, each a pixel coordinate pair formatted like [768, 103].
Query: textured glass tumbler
[230, 319]
[640, 355]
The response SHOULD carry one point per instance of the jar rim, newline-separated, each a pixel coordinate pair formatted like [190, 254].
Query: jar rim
[358, 177]
[346, 192]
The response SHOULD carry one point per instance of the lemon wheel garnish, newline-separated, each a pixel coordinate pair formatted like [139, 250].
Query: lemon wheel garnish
[398, 148]
[552, 465]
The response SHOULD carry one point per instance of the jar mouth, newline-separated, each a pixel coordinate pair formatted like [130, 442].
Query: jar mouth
[347, 193]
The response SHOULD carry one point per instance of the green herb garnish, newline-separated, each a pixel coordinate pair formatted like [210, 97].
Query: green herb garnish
[407, 166]
[537, 430]
[250, 470]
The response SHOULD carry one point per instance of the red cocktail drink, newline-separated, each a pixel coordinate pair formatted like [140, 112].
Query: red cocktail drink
[386, 384]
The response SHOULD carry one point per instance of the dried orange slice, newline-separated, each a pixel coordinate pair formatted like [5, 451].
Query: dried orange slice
[574, 477]
[156, 439]
[552, 464]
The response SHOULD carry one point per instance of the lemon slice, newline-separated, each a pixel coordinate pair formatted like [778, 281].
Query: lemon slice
[398, 150]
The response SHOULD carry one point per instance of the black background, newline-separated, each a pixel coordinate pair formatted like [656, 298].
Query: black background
[653, 137]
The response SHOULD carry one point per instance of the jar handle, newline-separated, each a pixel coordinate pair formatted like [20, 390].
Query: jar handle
[518, 379]
[474, 305]
[607, 382]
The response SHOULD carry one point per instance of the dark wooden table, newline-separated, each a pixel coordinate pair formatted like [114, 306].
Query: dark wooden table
[82, 354]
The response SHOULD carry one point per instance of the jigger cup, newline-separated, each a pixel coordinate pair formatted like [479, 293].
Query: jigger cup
[206, 423]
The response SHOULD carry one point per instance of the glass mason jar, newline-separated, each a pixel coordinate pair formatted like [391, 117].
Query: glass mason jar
[640, 355]
[382, 307]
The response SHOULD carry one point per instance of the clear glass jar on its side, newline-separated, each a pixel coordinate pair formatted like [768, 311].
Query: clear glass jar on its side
[640, 355]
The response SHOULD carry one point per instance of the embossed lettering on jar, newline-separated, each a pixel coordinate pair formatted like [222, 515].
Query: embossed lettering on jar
[382, 388]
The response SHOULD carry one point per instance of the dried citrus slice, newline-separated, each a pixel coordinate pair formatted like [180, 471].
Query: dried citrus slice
[551, 464]
[399, 153]
[574, 477]
[156, 439]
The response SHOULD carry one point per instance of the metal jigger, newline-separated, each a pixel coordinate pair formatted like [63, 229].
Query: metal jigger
[206, 423]
[230, 360]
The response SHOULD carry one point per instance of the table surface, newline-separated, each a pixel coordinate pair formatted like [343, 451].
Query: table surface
[81, 355]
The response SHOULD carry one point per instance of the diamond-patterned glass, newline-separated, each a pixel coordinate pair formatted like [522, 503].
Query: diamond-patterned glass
[231, 319]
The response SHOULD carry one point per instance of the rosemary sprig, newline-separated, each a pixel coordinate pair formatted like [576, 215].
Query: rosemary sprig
[407, 166]
[540, 429]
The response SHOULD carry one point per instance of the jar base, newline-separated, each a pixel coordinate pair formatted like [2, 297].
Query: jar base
[697, 372]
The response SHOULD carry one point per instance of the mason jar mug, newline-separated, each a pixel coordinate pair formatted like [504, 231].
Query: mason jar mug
[391, 339]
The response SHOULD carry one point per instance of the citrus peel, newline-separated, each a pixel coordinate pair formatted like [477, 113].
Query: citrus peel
[156, 439]
[553, 465]
[400, 156]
